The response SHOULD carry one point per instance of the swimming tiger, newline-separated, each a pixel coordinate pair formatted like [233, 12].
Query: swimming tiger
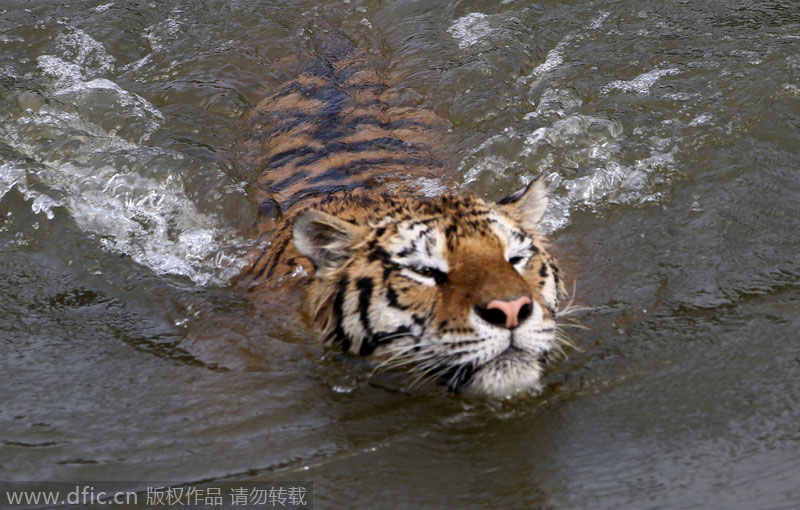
[453, 288]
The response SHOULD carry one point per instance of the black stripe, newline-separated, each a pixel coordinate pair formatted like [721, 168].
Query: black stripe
[339, 335]
[326, 190]
[362, 165]
[296, 117]
[450, 231]
[275, 258]
[291, 119]
[378, 88]
[337, 147]
[379, 254]
[514, 197]
[365, 286]
[385, 259]
[262, 253]
[348, 71]
[374, 121]
[425, 221]
[294, 178]
[461, 213]
[283, 157]
[297, 87]
[405, 252]
[332, 94]
[326, 125]
[323, 68]
[329, 91]
[381, 339]
[391, 298]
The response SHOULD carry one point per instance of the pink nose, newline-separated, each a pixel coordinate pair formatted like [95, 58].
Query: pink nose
[515, 311]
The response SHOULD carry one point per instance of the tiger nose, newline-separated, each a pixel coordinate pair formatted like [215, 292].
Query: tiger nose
[506, 313]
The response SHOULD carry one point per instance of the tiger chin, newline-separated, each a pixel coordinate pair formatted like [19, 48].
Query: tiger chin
[453, 289]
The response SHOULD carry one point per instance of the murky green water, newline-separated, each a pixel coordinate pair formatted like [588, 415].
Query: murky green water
[670, 130]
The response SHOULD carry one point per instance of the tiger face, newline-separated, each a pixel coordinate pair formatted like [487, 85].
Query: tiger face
[454, 289]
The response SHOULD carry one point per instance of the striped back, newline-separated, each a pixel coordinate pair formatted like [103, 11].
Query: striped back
[339, 127]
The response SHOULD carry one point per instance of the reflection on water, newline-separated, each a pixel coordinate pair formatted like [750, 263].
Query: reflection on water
[669, 136]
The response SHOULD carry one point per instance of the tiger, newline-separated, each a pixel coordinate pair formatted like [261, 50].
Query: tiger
[448, 288]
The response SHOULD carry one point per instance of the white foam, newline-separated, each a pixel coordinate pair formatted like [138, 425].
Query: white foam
[555, 57]
[85, 51]
[153, 221]
[576, 131]
[430, 187]
[597, 22]
[791, 89]
[65, 73]
[702, 120]
[470, 29]
[159, 36]
[104, 7]
[164, 31]
[493, 165]
[14, 176]
[10, 176]
[640, 84]
[142, 118]
[581, 156]
[149, 218]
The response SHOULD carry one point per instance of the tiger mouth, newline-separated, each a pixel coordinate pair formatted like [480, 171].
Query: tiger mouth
[511, 372]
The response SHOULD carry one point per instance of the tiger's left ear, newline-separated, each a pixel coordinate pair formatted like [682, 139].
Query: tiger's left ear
[528, 204]
[324, 238]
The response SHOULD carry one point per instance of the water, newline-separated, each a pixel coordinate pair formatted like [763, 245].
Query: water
[669, 132]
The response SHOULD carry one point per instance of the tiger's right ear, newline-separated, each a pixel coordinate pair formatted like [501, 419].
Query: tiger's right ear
[325, 239]
[529, 203]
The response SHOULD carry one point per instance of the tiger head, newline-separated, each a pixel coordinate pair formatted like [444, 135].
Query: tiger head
[455, 289]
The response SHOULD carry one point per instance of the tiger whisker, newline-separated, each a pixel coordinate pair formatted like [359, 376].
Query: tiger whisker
[428, 370]
[408, 355]
[570, 307]
[563, 340]
[396, 358]
[443, 365]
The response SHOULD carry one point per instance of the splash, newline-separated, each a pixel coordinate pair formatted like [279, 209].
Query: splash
[83, 147]
[585, 155]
